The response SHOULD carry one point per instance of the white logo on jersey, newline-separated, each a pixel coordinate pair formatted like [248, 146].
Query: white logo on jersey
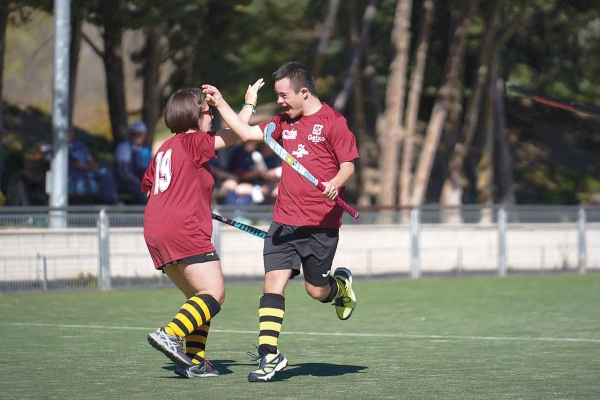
[316, 137]
[317, 129]
[301, 151]
[162, 180]
[289, 134]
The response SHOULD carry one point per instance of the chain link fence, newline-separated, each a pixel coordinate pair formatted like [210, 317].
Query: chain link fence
[102, 248]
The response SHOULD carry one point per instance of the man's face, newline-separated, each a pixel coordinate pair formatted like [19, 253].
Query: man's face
[292, 103]
[138, 138]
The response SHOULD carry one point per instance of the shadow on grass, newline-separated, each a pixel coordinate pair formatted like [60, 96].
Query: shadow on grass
[292, 370]
[220, 365]
[317, 369]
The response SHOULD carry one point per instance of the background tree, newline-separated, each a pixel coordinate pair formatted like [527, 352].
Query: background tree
[389, 124]
[413, 104]
[109, 15]
[455, 89]
[445, 97]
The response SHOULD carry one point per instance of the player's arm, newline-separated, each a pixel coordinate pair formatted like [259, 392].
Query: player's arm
[339, 180]
[250, 100]
[239, 129]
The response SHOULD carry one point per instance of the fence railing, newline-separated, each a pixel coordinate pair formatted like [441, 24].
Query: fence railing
[103, 247]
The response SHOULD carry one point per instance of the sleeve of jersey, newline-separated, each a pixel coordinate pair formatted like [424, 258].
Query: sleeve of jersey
[343, 141]
[277, 121]
[148, 178]
[200, 147]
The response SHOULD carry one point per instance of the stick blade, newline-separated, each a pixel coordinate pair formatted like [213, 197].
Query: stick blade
[269, 129]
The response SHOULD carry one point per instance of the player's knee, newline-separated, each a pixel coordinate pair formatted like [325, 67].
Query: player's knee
[316, 292]
[217, 295]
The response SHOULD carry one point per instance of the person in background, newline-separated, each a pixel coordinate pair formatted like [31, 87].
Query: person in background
[28, 187]
[132, 158]
[86, 176]
[306, 222]
[253, 175]
[178, 224]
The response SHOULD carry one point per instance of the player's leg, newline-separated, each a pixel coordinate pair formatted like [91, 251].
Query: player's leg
[270, 314]
[318, 254]
[204, 301]
[281, 264]
[168, 343]
[202, 284]
[195, 343]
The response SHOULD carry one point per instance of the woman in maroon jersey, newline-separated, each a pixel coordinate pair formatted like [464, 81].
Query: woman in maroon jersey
[305, 228]
[178, 224]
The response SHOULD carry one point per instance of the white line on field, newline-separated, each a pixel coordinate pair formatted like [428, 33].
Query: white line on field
[387, 335]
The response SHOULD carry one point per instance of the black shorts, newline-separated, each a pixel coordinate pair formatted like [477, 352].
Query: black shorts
[292, 247]
[200, 258]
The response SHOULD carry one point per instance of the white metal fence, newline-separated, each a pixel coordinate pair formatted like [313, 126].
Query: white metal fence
[103, 248]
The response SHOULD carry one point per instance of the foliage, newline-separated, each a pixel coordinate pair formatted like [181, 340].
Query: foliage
[232, 43]
[557, 51]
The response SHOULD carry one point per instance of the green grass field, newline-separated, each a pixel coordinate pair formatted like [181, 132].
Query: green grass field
[521, 337]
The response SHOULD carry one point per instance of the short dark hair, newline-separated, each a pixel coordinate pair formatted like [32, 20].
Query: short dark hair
[184, 109]
[298, 75]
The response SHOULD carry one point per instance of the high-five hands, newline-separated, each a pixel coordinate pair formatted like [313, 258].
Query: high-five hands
[252, 92]
[214, 96]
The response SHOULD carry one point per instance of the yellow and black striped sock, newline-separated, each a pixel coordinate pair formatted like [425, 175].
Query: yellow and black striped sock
[336, 290]
[195, 343]
[195, 312]
[270, 317]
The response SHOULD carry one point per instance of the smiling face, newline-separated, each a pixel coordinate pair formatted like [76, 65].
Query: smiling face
[292, 103]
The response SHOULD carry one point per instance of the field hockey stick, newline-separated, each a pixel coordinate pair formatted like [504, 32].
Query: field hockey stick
[243, 227]
[552, 101]
[296, 166]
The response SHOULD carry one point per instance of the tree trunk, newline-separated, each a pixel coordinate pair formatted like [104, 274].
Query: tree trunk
[326, 29]
[155, 51]
[75, 46]
[452, 190]
[504, 172]
[389, 124]
[342, 97]
[113, 65]
[4, 12]
[485, 169]
[442, 103]
[412, 108]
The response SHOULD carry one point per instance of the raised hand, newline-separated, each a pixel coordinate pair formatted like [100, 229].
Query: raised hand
[213, 96]
[252, 92]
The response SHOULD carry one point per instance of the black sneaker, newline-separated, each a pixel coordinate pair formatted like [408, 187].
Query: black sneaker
[202, 370]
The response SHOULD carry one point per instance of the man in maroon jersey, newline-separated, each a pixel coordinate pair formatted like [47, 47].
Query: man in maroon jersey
[178, 224]
[305, 228]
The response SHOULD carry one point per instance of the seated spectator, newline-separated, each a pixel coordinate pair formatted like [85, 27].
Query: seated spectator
[28, 187]
[271, 170]
[86, 176]
[251, 180]
[132, 158]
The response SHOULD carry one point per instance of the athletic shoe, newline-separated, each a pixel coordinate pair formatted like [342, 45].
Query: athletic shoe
[171, 346]
[202, 370]
[345, 304]
[269, 364]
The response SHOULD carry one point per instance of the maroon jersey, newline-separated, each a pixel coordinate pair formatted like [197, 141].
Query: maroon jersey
[320, 142]
[177, 219]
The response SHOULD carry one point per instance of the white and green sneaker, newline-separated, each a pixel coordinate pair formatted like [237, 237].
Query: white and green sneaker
[202, 370]
[345, 304]
[171, 346]
[269, 365]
